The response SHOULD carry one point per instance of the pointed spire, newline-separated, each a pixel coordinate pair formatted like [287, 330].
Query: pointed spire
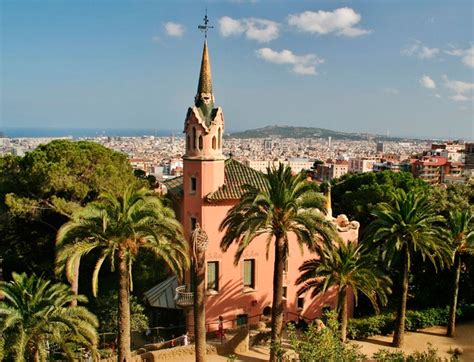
[205, 78]
[204, 99]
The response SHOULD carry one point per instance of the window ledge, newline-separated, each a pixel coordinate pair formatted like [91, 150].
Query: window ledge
[211, 292]
[248, 290]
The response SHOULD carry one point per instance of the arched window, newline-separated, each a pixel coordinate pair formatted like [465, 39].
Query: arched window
[188, 143]
[194, 138]
[214, 142]
[219, 138]
[200, 143]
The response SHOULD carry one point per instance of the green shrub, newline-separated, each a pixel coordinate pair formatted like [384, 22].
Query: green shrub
[384, 324]
[323, 344]
[430, 355]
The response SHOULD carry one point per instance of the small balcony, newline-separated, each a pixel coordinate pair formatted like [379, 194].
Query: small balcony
[184, 298]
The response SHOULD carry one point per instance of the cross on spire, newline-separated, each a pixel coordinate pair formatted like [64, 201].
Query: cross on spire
[204, 28]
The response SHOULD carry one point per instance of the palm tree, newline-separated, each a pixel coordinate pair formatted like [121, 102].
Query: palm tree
[118, 227]
[460, 235]
[287, 205]
[407, 226]
[35, 312]
[345, 265]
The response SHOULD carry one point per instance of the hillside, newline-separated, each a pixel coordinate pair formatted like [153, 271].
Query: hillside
[304, 132]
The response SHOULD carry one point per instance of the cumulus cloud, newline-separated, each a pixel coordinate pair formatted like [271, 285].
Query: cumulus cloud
[174, 29]
[461, 91]
[393, 91]
[427, 82]
[341, 21]
[261, 30]
[417, 49]
[301, 64]
[466, 55]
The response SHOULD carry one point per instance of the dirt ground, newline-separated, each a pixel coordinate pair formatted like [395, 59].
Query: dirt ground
[414, 341]
[418, 341]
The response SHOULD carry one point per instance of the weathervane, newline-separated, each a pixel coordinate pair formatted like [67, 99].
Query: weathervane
[205, 27]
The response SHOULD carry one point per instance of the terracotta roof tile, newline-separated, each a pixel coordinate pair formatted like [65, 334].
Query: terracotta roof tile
[236, 175]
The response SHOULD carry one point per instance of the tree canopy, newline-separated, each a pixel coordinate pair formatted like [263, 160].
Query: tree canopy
[39, 191]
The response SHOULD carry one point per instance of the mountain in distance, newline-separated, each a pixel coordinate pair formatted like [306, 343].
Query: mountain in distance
[309, 132]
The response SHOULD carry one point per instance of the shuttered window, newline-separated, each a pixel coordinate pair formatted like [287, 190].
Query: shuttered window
[249, 273]
[213, 275]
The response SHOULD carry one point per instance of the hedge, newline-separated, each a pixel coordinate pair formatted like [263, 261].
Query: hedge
[384, 324]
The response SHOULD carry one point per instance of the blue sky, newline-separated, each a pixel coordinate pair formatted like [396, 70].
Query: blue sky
[366, 66]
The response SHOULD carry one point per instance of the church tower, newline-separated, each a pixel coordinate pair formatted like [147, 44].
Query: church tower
[203, 161]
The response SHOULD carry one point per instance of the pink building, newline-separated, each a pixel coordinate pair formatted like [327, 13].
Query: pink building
[209, 187]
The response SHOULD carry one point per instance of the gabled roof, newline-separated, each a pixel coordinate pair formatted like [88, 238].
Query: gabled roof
[236, 175]
[162, 295]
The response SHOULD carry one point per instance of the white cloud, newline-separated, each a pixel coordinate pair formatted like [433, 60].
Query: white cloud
[466, 55]
[302, 64]
[393, 91]
[417, 49]
[341, 21]
[155, 39]
[261, 30]
[174, 29]
[462, 91]
[427, 82]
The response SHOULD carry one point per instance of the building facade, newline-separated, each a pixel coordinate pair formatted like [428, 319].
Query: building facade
[209, 187]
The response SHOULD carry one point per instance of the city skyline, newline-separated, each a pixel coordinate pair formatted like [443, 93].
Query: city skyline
[355, 67]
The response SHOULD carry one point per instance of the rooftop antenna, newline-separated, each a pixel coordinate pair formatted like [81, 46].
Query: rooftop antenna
[204, 28]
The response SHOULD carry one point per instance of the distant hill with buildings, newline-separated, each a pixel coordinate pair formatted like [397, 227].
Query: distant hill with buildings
[306, 132]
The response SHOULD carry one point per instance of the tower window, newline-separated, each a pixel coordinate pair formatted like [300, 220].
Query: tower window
[219, 136]
[193, 184]
[285, 291]
[300, 302]
[249, 273]
[200, 143]
[213, 275]
[188, 143]
[214, 142]
[194, 138]
[193, 223]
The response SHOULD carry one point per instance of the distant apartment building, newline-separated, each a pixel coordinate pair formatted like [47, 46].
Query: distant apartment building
[268, 144]
[380, 147]
[296, 164]
[386, 166]
[361, 165]
[469, 156]
[435, 169]
[331, 170]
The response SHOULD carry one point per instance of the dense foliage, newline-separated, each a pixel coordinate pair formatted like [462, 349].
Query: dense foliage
[36, 312]
[39, 192]
[105, 307]
[357, 194]
[322, 343]
[383, 324]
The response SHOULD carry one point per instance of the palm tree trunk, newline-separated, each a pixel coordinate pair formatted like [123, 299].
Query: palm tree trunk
[452, 308]
[75, 282]
[199, 309]
[124, 353]
[343, 312]
[402, 307]
[277, 305]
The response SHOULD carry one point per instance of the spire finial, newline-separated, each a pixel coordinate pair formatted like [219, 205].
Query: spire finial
[204, 28]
